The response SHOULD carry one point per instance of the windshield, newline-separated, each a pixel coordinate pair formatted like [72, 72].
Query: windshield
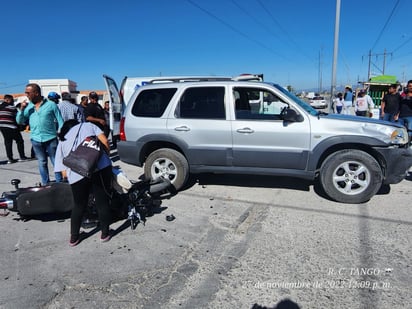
[298, 101]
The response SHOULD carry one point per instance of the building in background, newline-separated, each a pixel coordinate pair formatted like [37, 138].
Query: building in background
[59, 86]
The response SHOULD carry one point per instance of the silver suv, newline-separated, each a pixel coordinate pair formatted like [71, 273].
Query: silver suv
[226, 126]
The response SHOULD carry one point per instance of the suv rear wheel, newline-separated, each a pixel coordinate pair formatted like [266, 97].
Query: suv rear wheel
[167, 163]
[351, 176]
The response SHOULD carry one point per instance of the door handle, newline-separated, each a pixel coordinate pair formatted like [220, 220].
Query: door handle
[182, 129]
[245, 130]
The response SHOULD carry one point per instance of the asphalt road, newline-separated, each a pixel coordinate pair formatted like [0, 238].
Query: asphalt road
[236, 241]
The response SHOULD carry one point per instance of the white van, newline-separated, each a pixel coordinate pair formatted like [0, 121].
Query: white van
[119, 98]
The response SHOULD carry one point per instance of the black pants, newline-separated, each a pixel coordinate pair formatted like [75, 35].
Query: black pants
[9, 135]
[100, 186]
[361, 113]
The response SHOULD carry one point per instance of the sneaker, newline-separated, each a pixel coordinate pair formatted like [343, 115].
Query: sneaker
[106, 238]
[11, 161]
[23, 159]
[74, 240]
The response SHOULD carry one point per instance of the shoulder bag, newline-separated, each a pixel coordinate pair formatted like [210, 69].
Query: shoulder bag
[83, 160]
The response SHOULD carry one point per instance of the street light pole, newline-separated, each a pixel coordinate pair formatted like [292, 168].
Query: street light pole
[335, 52]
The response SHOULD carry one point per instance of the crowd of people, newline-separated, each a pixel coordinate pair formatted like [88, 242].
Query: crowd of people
[53, 125]
[395, 106]
[45, 117]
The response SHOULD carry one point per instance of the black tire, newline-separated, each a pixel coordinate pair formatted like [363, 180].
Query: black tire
[350, 176]
[167, 163]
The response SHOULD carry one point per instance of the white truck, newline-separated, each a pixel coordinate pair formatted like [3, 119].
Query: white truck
[56, 85]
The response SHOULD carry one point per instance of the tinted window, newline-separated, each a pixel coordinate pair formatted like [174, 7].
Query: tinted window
[202, 103]
[152, 102]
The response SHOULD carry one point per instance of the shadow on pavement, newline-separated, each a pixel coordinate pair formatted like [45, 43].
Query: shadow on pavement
[275, 182]
[257, 181]
[45, 217]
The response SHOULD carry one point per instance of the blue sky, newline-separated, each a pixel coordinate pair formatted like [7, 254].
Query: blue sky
[290, 42]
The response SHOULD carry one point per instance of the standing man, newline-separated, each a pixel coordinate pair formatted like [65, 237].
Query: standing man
[405, 110]
[106, 109]
[348, 100]
[95, 113]
[84, 100]
[68, 109]
[390, 103]
[10, 130]
[42, 115]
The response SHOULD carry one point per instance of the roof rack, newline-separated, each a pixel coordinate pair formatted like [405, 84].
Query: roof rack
[183, 79]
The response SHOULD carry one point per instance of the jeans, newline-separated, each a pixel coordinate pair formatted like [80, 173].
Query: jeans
[42, 150]
[407, 122]
[388, 117]
[361, 113]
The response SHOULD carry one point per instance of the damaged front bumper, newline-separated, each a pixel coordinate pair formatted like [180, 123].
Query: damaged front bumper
[398, 162]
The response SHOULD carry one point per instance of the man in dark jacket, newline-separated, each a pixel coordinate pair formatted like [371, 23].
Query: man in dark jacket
[95, 113]
[10, 129]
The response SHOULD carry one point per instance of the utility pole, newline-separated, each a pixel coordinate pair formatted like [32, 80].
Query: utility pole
[384, 62]
[403, 74]
[335, 51]
[369, 65]
[320, 71]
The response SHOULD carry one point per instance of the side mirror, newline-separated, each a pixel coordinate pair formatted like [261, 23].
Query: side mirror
[290, 115]
[15, 183]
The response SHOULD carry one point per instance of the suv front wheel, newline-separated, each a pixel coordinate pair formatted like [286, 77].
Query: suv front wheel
[351, 176]
[167, 163]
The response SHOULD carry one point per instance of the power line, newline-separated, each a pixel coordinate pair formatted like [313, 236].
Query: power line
[403, 44]
[404, 55]
[236, 30]
[255, 19]
[273, 18]
[386, 24]
[283, 30]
